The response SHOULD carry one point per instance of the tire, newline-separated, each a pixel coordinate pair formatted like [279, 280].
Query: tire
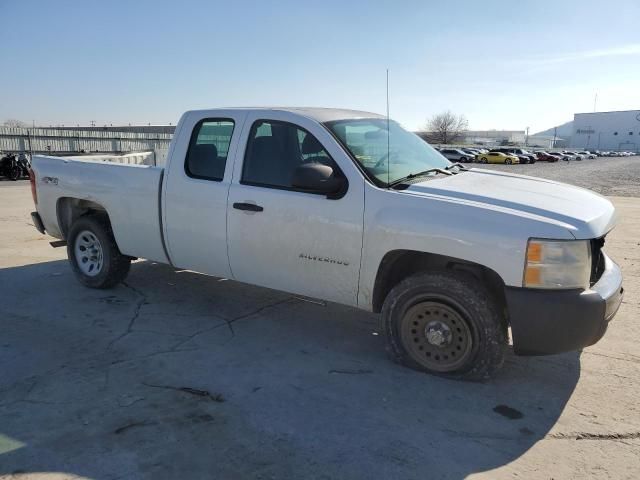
[439, 304]
[90, 242]
[508, 161]
[484, 160]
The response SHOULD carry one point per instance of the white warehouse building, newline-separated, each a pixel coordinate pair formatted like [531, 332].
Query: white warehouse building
[607, 131]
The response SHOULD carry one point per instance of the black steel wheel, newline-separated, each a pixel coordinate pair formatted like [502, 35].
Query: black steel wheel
[445, 323]
[437, 335]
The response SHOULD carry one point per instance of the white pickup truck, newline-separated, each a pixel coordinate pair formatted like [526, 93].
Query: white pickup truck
[348, 207]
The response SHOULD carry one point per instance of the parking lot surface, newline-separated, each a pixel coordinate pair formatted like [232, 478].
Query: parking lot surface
[179, 375]
[619, 176]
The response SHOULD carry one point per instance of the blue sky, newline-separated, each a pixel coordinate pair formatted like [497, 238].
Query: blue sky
[503, 64]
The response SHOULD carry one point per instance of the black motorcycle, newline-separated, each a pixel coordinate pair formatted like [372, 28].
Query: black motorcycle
[10, 168]
[24, 164]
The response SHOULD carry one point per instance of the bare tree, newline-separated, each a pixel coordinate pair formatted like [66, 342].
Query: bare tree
[12, 122]
[446, 127]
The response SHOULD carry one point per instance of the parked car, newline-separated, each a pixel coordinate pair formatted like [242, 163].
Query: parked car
[587, 154]
[546, 156]
[456, 155]
[521, 158]
[471, 151]
[575, 155]
[521, 151]
[566, 156]
[296, 201]
[511, 151]
[497, 157]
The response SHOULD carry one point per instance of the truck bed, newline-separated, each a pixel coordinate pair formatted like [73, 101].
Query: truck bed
[129, 193]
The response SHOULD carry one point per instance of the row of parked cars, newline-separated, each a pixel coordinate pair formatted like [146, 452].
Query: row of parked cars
[511, 155]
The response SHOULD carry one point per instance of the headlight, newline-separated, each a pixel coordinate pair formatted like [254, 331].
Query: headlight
[557, 264]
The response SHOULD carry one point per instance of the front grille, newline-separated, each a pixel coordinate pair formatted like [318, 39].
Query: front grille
[597, 259]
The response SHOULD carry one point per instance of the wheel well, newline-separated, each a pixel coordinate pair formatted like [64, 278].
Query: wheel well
[70, 209]
[400, 264]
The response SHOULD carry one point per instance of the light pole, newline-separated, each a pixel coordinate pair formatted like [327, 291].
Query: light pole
[526, 139]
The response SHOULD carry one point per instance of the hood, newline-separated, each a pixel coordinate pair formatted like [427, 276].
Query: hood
[584, 213]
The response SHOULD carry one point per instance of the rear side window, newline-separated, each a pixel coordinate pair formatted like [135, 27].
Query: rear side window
[208, 149]
[275, 149]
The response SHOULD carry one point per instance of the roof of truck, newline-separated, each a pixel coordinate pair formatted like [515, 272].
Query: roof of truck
[316, 113]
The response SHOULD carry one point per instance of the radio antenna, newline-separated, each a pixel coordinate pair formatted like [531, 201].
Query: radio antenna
[388, 132]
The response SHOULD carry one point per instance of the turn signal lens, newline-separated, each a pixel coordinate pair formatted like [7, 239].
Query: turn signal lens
[532, 276]
[534, 252]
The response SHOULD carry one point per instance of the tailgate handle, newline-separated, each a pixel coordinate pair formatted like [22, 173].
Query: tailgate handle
[249, 207]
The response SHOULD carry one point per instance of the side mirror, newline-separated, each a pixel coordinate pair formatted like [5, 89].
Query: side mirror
[318, 178]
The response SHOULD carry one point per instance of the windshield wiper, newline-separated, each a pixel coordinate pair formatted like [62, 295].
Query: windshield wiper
[460, 166]
[418, 174]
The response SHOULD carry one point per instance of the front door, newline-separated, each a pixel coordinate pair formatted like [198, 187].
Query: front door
[285, 239]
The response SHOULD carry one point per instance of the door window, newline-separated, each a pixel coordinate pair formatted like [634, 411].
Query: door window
[208, 149]
[275, 149]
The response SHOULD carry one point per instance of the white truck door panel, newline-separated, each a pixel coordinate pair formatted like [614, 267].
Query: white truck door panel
[194, 203]
[298, 242]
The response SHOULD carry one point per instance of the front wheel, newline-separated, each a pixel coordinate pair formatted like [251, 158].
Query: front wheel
[445, 323]
[94, 256]
[508, 161]
[484, 160]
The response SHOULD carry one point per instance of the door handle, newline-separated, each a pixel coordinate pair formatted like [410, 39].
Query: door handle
[248, 207]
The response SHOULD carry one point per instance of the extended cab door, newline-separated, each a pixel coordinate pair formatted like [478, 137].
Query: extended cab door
[196, 187]
[287, 239]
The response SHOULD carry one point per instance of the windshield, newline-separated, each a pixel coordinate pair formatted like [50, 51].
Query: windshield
[386, 158]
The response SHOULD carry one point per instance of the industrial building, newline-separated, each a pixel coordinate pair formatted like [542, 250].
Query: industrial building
[76, 140]
[607, 131]
[482, 137]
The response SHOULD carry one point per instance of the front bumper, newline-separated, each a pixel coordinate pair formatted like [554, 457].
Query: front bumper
[554, 321]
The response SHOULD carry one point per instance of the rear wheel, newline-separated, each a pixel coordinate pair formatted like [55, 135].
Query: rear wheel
[445, 323]
[94, 256]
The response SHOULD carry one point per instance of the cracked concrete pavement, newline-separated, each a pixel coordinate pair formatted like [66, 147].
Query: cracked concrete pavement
[179, 375]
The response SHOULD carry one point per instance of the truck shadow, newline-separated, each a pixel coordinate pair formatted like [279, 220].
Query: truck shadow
[179, 375]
